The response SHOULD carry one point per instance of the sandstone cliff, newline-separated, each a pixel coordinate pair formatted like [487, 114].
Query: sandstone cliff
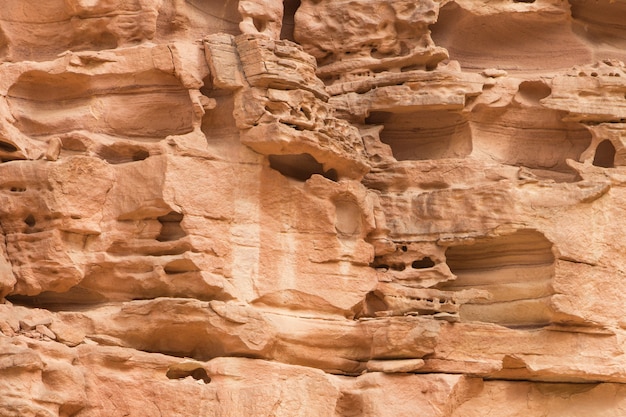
[331, 208]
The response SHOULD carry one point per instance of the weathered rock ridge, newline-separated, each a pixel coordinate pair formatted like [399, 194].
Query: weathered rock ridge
[312, 208]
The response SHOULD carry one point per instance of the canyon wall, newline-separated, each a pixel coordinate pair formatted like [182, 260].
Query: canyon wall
[330, 208]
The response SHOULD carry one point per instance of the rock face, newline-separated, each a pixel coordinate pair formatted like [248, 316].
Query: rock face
[329, 208]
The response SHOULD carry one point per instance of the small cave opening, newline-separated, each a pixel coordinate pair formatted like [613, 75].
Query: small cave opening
[424, 135]
[531, 92]
[300, 167]
[605, 155]
[180, 266]
[122, 154]
[259, 24]
[30, 220]
[373, 303]
[170, 227]
[287, 30]
[381, 263]
[515, 271]
[423, 263]
[199, 374]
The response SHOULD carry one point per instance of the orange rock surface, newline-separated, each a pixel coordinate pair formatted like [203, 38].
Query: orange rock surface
[329, 208]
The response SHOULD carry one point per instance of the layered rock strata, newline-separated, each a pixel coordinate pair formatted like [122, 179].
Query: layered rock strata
[312, 208]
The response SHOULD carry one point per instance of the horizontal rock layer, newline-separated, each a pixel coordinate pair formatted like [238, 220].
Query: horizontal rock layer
[312, 208]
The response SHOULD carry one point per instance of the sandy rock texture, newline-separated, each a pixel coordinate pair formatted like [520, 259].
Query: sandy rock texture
[325, 208]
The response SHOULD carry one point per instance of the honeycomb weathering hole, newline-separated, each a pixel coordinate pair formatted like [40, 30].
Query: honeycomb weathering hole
[290, 8]
[170, 227]
[425, 134]
[199, 374]
[533, 91]
[300, 167]
[516, 270]
[423, 263]
[605, 155]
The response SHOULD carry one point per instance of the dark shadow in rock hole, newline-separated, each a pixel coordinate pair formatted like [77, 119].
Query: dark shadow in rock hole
[605, 155]
[300, 167]
[199, 374]
[291, 6]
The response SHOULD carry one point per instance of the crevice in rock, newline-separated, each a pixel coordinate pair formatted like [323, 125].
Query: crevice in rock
[516, 270]
[75, 299]
[290, 8]
[300, 167]
[424, 135]
[7, 147]
[9, 152]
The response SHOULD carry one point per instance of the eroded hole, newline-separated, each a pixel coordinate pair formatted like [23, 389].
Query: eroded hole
[290, 8]
[180, 266]
[170, 227]
[605, 155]
[140, 155]
[424, 135]
[300, 167]
[122, 154]
[514, 273]
[198, 374]
[533, 91]
[259, 24]
[30, 221]
[398, 267]
[423, 263]
[7, 147]
[374, 302]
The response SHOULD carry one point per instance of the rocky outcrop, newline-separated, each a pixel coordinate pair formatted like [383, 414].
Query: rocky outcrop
[312, 208]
